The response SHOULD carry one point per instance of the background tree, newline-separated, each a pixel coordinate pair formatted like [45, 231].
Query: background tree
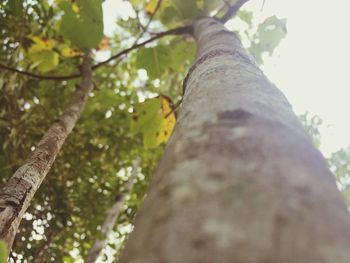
[40, 69]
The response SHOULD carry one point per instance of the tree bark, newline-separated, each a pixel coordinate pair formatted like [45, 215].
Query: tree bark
[240, 180]
[112, 216]
[18, 191]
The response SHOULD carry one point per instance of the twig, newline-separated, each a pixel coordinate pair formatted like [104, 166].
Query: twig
[174, 108]
[138, 20]
[145, 28]
[38, 76]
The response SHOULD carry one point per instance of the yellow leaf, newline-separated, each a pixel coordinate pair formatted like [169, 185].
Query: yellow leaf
[150, 7]
[69, 52]
[42, 43]
[75, 8]
[169, 120]
[200, 4]
[41, 54]
[104, 44]
[155, 119]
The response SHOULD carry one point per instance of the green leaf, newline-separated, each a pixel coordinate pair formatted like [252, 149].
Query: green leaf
[16, 7]
[182, 54]
[174, 12]
[3, 252]
[155, 120]
[168, 15]
[82, 22]
[154, 60]
[186, 9]
[246, 16]
[45, 60]
[157, 60]
[267, 37]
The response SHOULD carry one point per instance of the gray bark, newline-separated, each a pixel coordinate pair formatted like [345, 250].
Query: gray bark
[15, 196]
[112, 216]
[240, 181]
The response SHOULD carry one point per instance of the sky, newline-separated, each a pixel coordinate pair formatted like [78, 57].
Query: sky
[310, 65]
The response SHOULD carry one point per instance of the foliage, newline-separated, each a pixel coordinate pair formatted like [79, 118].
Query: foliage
[312, 124]
[339, 161]
[48, 37]
[3, 252]
[340, 166]
[82, 22]
[267, 37]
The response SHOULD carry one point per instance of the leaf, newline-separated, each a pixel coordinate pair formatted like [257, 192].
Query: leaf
[182, 53]
[41, 43]
[150, 7]
[178, 54]
[16, 7]
[44, 61]
[168, 15]
[267, 37]
[41, 54]
[82, 22]
[104, 44]
[181, 11]
[155, 120]
[3, 252]
[69, 52]
[246, 16]
[186, 9]
[154, 60]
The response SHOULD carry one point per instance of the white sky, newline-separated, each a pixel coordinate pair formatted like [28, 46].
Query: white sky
[310, 65]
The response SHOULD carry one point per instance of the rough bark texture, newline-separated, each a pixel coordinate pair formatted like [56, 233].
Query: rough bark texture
[240, 181]
[16, 194]
[112, 216]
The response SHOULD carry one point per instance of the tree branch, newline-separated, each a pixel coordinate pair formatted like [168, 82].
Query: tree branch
[38, 76]
[112, 216]
[232, 10]
[175, 31]
[16, 194]
[144, 29]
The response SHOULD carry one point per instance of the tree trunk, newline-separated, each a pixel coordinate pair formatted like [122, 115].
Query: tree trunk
[18, 191]
[240, 181]
[112, 216]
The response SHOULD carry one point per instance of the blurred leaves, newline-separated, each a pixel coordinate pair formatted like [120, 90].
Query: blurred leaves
[82, 22]
[340, 165]
[267, 37]
[3, 252]
[312, 125]
[159, 59]
[339, 161]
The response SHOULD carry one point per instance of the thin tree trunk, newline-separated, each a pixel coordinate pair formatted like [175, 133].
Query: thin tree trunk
[240, 181]
[18, 191]
[112, 216]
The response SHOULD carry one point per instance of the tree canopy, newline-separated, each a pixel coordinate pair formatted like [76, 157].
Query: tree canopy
[138, 75]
